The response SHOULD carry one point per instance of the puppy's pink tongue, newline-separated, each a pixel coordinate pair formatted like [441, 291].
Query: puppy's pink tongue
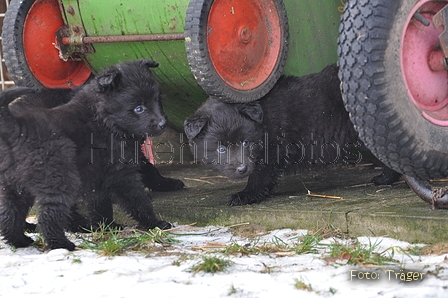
[147, 150]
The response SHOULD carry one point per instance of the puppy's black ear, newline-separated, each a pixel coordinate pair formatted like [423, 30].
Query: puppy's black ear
[108, 79]
[150, 63]
[253, 111]
[193, 126]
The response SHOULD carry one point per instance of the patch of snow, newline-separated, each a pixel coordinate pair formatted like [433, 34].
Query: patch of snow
[27, 272]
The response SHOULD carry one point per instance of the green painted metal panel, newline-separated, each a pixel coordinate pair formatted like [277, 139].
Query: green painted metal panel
[181, 93]
[313, 41]
[313, 33]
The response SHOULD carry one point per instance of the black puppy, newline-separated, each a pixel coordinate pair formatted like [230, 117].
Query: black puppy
[151, 177]
[299, 124]
[84, 149]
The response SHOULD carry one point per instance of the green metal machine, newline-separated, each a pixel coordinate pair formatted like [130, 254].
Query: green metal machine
[59, 43]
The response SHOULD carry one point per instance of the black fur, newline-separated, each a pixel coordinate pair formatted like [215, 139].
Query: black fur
[81, 150]
[151, 177]
[47, 98]
[303, 121]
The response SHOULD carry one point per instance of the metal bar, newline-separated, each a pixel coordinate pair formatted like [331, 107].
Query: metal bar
[419, 17]
[123, 38]
[437, 197]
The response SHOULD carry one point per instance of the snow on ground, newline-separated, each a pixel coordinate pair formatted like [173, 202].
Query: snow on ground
[168, 271]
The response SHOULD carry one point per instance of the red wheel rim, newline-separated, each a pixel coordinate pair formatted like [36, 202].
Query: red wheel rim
[41, 23]
[244, 40]
[421, 64]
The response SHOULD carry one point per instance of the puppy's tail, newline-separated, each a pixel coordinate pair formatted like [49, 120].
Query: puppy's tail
[10, 95]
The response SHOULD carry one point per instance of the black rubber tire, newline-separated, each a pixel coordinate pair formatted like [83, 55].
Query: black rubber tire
[12, 43]
[375, 94]
[202, 67]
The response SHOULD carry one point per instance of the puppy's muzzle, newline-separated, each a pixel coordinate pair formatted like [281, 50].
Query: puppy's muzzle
[162, 124]
[242, 169]
[156, 127]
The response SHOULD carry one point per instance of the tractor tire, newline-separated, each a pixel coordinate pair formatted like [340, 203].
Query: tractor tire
[236, 50]
[396, 99]
[29, 38]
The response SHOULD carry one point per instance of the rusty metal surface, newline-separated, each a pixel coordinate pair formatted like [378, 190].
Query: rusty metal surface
[74, 46]
[123, 38]
[437, 197]
[440, 19]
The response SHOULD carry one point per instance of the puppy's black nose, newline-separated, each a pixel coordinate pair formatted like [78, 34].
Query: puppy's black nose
[162, 124]
[242, 169]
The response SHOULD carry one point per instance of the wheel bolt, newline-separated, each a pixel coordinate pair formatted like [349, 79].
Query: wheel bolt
[245, 35]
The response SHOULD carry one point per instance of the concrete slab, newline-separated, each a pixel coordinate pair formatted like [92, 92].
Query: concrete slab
[364, 210]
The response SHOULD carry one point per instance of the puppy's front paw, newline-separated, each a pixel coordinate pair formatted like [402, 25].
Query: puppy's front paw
[176, 184]
[55, 244]
[246, 197]
[164, 225]
[168, 184]
[243, 198]
[387, 177]
[22, 241]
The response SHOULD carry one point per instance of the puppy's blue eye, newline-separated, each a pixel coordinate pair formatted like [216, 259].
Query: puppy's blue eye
[221, 149]
[245, 143]
[139, 109]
